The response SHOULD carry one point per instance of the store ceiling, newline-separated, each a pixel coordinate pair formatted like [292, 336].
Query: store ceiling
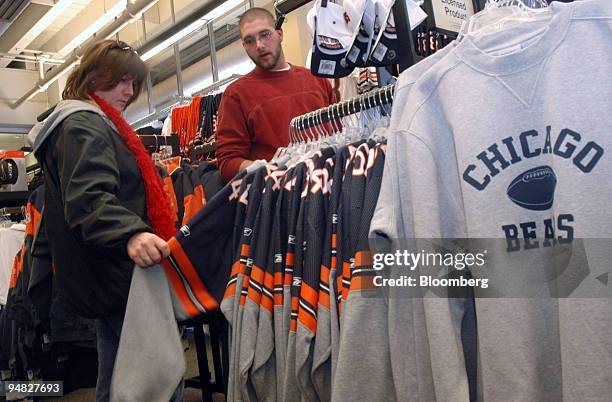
[51, 29]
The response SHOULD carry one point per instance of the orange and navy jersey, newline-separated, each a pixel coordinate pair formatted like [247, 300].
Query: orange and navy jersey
[314, 231]
[328, 247]
[16, 270]
[178, 183]
[250, 230]
[351, 205]
[334, 280]
[362, 273]
[261, 282]
[198, 281]
[170, 164]
[295, 187]
[241, 238]
[18, 302]
[193, 195]
[278, 244]
[295, 243]
[188, 191]
[210, 177]
[169, 190]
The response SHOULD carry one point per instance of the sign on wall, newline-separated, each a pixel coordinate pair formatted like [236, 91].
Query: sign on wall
[449, 14]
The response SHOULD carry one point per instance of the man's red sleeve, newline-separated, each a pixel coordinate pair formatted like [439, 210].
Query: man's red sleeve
[232, 137]
[329, 90]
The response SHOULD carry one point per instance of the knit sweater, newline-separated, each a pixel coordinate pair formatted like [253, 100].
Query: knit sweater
[256, 110]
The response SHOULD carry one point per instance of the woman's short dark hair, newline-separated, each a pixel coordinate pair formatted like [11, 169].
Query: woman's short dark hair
[103, 65]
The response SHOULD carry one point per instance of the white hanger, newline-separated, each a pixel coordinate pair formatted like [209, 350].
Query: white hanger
[500, 14]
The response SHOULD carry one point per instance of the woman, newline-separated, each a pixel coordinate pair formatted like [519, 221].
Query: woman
[105, 209]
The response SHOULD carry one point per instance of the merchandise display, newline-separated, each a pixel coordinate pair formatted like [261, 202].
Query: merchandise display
[439, 233]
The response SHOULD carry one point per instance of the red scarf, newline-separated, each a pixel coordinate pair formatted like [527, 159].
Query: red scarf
[158, 204]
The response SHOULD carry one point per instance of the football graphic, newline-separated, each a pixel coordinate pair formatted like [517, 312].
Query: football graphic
[534, 189]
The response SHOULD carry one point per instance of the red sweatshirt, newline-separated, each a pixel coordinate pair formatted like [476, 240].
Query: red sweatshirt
[256, 110]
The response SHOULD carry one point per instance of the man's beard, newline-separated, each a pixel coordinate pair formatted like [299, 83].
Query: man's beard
[268, 65]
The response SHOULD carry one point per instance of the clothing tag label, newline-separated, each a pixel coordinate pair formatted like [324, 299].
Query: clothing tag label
[380, 52]
[327, 67]
[353, 54]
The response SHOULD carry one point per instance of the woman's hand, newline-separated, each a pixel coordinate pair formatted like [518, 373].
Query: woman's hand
[147, 249]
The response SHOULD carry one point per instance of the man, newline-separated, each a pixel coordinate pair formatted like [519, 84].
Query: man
[256, 110]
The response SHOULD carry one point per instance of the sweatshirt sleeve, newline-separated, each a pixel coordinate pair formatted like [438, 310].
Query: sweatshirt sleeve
[329, 90]
[89, 178]
[233, 139]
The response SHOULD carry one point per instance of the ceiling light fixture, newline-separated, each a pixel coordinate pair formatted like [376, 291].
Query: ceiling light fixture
[100, 23]
[214, 13]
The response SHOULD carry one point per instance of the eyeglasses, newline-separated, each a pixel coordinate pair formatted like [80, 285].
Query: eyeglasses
[263, 36]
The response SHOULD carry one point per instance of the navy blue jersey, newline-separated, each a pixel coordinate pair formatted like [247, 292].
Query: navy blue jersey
[362, 273]
[314, 229]
[198, 282]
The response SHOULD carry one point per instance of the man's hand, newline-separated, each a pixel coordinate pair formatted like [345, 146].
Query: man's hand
[147, 249]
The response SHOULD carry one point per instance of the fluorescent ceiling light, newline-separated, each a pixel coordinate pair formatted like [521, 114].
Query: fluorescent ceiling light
[223, 8]
[241, 68]
[173, 39]
[100, 23]
[218, 11]
[42, 24]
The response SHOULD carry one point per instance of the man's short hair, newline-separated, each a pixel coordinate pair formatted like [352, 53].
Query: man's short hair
[254, 14]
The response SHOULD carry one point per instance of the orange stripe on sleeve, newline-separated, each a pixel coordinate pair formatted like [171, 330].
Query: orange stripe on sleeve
[266, 301]
[278, 281]
[290, 259]
[245, 285]
[363, 259]
[323, 295]
[192, 276]
[309, 294]
[231, 289]
[258, 275]
[179, 290]
[324, 277]
[307, 320]
[362, 282]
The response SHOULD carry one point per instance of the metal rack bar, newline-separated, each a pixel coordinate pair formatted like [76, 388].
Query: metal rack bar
[380, 97]
[14, 198]
[157, 140]
[6, 211]
[216, 85]
[287, 6]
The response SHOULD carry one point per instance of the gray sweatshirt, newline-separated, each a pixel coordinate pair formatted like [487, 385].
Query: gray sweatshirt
[506, 138]
[416, 340]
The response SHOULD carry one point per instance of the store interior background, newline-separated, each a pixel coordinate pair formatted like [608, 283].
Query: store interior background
[52, 29]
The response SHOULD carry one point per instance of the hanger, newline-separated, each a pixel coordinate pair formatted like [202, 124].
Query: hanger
[498, 14]
[526, 4]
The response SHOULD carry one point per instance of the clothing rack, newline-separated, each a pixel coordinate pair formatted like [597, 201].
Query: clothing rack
[209, 147]
[157, 140]
[10, 211]
[14, 198]
[379, 97]
[214, 86]
[158, 115]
